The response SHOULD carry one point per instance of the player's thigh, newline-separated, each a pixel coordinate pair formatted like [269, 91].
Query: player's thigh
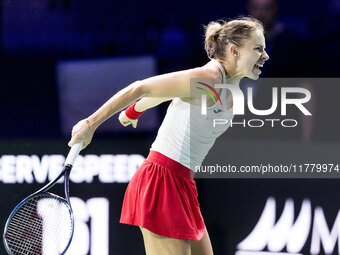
[156, 244]
[203, 246]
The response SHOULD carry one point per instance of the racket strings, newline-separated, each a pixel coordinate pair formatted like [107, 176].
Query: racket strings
[41, 226]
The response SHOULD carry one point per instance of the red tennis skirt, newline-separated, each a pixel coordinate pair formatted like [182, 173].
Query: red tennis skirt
[162, 197]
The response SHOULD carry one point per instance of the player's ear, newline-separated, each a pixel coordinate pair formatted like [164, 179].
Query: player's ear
[234, 51]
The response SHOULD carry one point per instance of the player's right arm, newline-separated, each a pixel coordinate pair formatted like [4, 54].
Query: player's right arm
[176, 84]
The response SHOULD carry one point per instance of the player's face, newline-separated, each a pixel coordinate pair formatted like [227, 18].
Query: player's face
[252, 55]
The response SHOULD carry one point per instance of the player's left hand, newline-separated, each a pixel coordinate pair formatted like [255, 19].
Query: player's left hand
[125, 121]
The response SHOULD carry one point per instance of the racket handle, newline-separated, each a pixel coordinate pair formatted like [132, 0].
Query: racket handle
[73, 154]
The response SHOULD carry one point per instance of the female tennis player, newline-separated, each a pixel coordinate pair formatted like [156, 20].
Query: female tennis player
[161, 198]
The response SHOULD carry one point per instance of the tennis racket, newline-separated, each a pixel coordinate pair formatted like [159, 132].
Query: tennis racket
[42, 224]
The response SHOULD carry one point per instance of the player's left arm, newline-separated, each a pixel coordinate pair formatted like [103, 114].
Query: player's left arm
[150, 102]
[142, 105]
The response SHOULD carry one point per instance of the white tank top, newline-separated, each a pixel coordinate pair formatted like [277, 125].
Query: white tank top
[187, 138]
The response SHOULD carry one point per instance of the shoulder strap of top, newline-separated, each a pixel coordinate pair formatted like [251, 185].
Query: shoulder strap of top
[224, 78]
[224, 81]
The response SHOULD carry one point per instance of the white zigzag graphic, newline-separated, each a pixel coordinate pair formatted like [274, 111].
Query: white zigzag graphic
[284, 233]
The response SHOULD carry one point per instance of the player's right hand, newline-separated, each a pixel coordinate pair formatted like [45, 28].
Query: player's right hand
[81, 132]
[125, 121]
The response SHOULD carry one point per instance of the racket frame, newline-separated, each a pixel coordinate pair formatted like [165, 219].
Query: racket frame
[71, 157]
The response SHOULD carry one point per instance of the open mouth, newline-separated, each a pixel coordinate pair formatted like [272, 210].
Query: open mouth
[257, 67]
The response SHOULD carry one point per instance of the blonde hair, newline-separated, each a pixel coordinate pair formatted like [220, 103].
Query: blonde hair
[218, 34]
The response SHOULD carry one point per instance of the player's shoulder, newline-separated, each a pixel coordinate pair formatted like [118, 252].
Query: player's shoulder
[208, 71]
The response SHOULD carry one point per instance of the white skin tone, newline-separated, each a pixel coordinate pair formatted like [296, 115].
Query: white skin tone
[246, 59]
[241, 62]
